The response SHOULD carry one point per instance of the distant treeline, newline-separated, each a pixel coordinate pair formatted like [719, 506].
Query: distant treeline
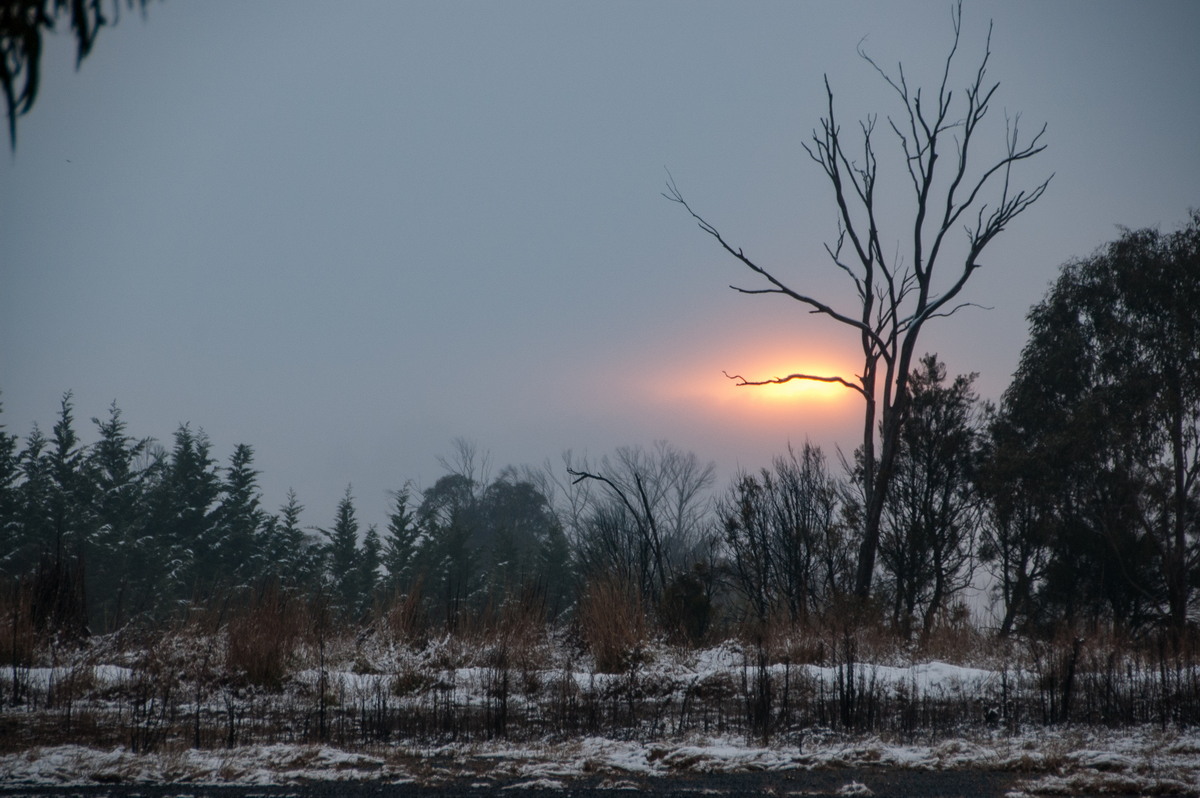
[1074, 500]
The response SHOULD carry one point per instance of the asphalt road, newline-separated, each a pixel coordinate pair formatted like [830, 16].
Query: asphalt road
[882, 783]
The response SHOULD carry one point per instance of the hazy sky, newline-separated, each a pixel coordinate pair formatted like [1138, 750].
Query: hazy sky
[348, 233]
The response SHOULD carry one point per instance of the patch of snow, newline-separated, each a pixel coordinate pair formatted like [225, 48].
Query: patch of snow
[537, 784]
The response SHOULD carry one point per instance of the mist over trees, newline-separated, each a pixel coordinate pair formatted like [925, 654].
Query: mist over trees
[1074, 500]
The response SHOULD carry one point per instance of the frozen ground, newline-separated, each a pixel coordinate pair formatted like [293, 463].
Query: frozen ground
[1061, 760]
[1142, 762]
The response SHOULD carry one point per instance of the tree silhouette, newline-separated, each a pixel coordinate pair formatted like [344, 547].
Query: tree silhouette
[22, 26]
[897, 297]
[1105, 411]
[927, 545]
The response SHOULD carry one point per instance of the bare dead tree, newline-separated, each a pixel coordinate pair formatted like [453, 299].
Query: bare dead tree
[896, 297]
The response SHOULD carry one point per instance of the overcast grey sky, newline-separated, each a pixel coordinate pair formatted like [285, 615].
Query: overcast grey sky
[348, 233]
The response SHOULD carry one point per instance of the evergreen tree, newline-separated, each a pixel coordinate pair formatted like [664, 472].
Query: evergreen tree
[342, 554]
[120, 546]
[523, 543]
[368, 568]
[449, 552]
[400, 546]
[295, 559]
[68, 503]
[183, 517]
[239, 547]
[10, 500]
[932, 513]
[1103, 416]
[34, 533]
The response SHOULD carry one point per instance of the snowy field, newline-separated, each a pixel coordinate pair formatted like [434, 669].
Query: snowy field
[1141, 762]
[545, 718]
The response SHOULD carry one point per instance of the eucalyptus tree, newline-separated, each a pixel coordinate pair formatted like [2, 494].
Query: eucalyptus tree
[528, 556]
[1104, 411]
[23, 24]
[896, 296]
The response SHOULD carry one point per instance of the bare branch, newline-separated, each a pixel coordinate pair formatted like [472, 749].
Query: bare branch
[958, 307]
[810, 377]
[817, 306]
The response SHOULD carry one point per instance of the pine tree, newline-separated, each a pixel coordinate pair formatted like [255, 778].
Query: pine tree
[239, 551]
[400, 546]
[183, 517]
[34, 533]
[295, 558]
[343, 555]
[368, 568]
[68, 504]
[10, 501]
[118, 492]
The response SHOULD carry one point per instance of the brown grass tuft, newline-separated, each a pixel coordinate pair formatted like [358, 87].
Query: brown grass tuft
[263, 637]
[612, 622]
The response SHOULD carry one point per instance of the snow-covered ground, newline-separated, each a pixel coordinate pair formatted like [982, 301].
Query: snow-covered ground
[160, 696]
[1139, 762]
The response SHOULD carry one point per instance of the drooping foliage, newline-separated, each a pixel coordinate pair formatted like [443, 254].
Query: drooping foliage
[23, 25]
[1095, 473]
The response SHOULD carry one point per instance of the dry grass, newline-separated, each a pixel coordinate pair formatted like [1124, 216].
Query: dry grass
[612, 622]
[18, 635]
[270, 669]
[263, 636]
[405, 620]
[955, 639]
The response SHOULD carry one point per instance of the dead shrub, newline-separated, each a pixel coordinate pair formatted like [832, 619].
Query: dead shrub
[686, 609]
[405, 619]
[262, 638]
[612, 623]
[953, 638]
[18, 634]
[521, 640]
[788, 640]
